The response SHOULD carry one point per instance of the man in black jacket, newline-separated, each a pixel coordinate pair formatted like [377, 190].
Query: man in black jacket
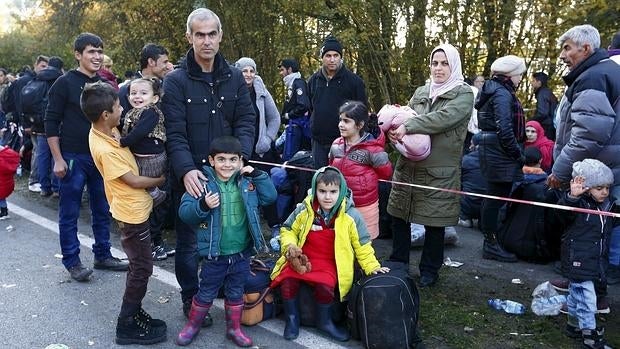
[295, 109]
[329, 88]
[545, 103]
[67, 130]
[204, 99]
[43, 156]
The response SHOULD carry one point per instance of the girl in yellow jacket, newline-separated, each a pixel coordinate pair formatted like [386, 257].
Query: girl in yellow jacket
[321, 240]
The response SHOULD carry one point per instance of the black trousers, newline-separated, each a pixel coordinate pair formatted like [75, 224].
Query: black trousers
[432, 252]
[489, 220]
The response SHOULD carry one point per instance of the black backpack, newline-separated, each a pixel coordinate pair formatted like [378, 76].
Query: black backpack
[383, 309]
[34, 99]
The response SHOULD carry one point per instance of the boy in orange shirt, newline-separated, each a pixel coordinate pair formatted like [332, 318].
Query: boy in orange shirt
[130, 206]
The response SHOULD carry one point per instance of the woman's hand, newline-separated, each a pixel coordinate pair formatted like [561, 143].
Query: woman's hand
[381, 270]
[397, 134]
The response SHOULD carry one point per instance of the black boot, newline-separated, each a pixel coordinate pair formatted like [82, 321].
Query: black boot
[134, 330]
[146, 317]
[593, 339]
[324, 323]
[291, 313]
[492, 250]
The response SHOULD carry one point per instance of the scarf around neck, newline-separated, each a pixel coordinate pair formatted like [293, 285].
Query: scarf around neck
[456, 73]
[288, 80]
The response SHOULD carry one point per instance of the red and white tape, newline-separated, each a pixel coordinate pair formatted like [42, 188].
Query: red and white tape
[460, 192]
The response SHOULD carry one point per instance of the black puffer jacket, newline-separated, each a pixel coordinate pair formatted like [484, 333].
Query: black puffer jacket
[197, 111]
[585, 243]
[501, 149]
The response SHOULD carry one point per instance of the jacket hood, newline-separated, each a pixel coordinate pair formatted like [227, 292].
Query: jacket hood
[49, 74]
[598, 55]
[259, 86]
[344, 192]
[488, 89]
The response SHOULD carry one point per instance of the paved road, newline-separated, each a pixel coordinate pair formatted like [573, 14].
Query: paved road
[40, 305]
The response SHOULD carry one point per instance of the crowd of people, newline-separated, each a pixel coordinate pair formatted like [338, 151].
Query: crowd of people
[201, 139]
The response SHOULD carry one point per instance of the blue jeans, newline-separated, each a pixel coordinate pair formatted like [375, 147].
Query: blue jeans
[45, 164]
[581, 302]
[231, 271]
[82, 171]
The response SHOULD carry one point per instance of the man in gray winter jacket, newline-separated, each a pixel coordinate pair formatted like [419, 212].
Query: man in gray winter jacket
[589, 117]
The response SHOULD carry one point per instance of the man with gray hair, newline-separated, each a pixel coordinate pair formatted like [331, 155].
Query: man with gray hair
[589, 116]
[204, 99]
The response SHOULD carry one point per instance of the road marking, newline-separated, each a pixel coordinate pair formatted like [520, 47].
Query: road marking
[306, 339]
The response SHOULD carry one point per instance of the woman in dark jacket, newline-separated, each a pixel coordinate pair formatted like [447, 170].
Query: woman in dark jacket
[502, 124]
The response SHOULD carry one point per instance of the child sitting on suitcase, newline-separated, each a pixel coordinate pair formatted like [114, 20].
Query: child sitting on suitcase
[585, 247]
[225, 219]
[320, 241]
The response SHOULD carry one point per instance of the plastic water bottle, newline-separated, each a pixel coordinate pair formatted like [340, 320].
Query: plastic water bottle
[510, 307]
[548, 305]
[19, 171]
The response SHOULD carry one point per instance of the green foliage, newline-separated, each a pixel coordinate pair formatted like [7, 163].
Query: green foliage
[386, 42]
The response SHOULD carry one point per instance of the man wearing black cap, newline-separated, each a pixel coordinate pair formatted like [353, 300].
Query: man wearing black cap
[295, 109]
[329, 88]
[545, 103]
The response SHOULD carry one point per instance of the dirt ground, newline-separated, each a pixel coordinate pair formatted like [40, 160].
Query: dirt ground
[454, 313]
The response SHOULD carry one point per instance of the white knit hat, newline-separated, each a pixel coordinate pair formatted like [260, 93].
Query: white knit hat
[508, 65]
[244, 62]
[595, 173]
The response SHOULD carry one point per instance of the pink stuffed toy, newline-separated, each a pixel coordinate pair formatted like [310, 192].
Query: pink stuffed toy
[415, 147]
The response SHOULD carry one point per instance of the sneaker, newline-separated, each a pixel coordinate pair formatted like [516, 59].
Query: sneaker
[34, 187]
[112, 263]
[158, 195]
[4, 213]
[80, 273]
[136, 330]
[560, 284]
[450, 237]
[158, 253]
[466, 223]
[602, 306]
[170, 251]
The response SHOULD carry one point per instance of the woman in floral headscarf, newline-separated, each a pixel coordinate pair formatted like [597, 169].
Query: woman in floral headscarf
[444, 106]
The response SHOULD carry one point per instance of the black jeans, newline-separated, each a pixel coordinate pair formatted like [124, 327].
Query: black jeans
[489, 220]
[160, 213]
[432, 252]
[136, 242]
[186, 259]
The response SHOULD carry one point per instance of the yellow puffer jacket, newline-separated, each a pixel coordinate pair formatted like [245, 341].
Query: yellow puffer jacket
[352, 241]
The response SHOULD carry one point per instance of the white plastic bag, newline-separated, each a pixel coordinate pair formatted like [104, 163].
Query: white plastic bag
[546, 300]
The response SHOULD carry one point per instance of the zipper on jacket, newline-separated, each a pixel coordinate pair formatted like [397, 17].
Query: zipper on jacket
[211, 239]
